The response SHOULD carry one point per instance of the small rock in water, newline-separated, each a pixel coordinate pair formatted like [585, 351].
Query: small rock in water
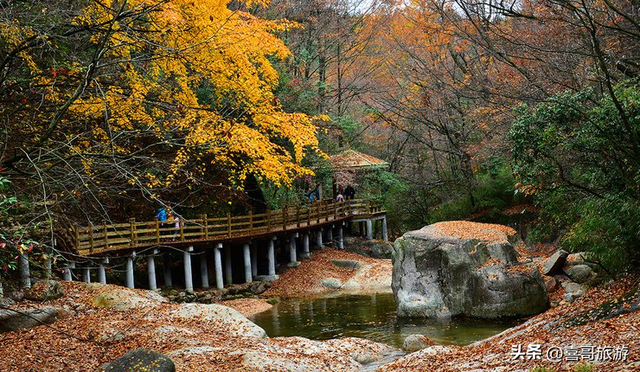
[416, 342]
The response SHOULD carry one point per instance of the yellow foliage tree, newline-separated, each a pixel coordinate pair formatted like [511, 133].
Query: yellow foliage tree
[165, 63]
[101, 98]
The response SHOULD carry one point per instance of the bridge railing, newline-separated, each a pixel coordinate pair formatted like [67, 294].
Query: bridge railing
[94, 239]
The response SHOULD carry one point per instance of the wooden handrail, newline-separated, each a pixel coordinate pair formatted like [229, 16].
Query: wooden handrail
[110, 237]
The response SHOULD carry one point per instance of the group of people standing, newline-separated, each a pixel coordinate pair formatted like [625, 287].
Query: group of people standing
[349, 193]
[168, 219]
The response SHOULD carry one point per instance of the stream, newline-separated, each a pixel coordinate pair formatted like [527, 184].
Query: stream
[367, 316]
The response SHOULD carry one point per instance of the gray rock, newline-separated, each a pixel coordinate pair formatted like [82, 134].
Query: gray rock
[555, 262]
[16, 295]
[44, 290]
[550, 283]
[331, 283]
[141, 360]
[573, 290]
[11, 320]
[224, 316]
[4, 301]
[349, 264]
[120, 298]
[416, 342]
[437, 276]
[361, 350]
[580, 273]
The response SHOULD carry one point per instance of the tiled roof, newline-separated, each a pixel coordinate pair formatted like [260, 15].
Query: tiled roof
[351, 159]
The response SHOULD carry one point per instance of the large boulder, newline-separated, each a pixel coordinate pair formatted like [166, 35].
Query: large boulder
[464, 268]
[11, 320]
[141, 360]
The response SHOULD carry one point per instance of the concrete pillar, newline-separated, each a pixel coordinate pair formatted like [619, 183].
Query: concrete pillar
[254, 260]
[305, 246]
[129, 278]
[330, 234]
[217, 259]
[23, 270]
[385, 235]
[340, 238]
[166, 269]
[319, 239]
[247, 263]
[102, 273]
[68, 275]
[86, 275]
[204, 270]
[188, 276]
[292, 252]
[369, 230]
[271, 257]
[228, 275]
[151, 271]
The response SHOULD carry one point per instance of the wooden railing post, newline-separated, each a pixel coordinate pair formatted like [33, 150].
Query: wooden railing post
[308, 215]
[157, 231]
[297, 215]
[335, 210]
[318, 211]
[326, 211]
[90, 237]
[229, 224]
[181, 224]
[76, 232]
[268, 220]
[205, 224]
[104, 230]
[284, 219]
[132, 232]
[250, 222]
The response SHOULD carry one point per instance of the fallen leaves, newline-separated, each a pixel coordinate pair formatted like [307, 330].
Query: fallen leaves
[474, 230]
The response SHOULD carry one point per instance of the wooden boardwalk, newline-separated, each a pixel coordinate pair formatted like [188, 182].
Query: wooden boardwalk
[121, 238]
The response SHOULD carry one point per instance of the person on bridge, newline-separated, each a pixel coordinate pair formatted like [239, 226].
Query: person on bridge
[350, 192]
[161, 216]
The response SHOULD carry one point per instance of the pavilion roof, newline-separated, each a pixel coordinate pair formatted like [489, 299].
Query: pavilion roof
[352, 159]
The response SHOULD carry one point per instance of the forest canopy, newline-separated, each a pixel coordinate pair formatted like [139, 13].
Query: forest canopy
[113, 108]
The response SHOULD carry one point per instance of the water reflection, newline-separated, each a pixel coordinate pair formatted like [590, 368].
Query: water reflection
[372, 317]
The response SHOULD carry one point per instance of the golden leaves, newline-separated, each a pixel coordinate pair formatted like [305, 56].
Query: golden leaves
[161, 65]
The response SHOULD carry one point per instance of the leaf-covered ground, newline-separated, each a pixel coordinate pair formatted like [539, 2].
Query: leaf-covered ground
[303, 280]
[550, 329]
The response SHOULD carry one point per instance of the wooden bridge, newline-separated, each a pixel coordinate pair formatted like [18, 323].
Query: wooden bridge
[97, 244]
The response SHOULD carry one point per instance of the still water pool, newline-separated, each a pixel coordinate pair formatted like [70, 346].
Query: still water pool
[367, 316]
